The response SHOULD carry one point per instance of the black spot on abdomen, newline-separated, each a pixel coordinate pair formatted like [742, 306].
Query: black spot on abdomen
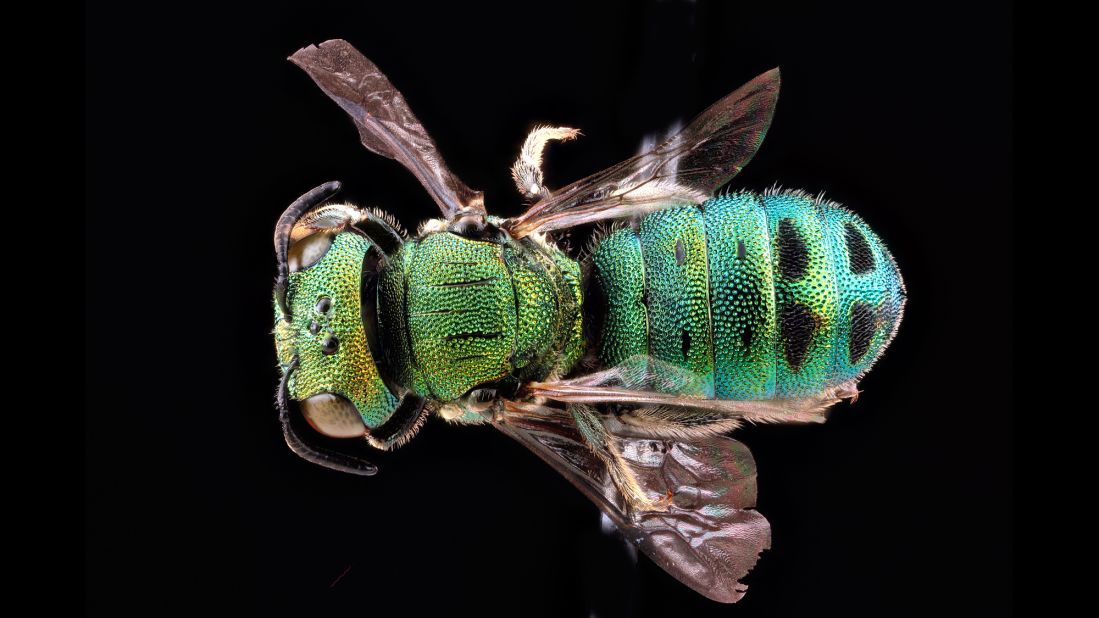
[863, 325]
[793, 256]
[741, 251]
[860, 258]
[680, 252]
[798, 327]
[685, 343]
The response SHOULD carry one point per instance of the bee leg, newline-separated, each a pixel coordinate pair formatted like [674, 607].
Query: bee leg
[463, 414]
[605, 447]
[848, 390]
[338, 217]
[527, 170]
[593, 433]
[330, 217]
[667, 423]
[645, 373]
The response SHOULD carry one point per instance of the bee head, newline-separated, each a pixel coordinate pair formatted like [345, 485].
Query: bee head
[336, 380]
[324, 305]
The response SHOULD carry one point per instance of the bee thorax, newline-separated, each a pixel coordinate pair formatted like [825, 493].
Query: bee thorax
[457, 313]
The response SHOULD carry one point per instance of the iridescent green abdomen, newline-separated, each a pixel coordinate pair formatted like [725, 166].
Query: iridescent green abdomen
[457, 313]
[759, 296]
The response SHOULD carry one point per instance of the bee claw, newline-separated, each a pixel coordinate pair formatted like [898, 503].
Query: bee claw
[667, 500]
[849, 391]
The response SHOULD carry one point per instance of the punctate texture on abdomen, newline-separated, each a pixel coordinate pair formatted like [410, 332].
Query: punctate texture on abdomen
[756, 296]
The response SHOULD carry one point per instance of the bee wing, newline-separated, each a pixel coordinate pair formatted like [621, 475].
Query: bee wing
[708, 538]
[672, 442]
[650, 393]
[697, 410]
[386, 124]
[686, 168]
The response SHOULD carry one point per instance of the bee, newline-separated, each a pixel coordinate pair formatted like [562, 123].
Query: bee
[625, 370]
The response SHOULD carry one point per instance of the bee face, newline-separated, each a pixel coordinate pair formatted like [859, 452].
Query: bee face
[336, 380]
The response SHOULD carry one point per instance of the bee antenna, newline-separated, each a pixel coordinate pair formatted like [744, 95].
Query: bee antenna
[320, 456]
[283, 229]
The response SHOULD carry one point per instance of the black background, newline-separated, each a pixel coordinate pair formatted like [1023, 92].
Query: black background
[199, 133]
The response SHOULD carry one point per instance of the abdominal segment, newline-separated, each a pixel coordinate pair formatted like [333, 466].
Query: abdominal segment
[757, 296]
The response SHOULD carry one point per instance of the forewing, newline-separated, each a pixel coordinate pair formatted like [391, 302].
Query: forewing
[686, 168]
[386, 124]
[810, 409]
[648, 392]
[708, 538]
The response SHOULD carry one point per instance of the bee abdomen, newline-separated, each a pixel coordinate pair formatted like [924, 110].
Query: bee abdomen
[759, 296]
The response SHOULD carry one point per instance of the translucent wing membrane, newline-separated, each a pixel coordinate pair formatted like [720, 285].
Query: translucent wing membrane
[706, 534]
[386, 124]
[800, 410]
[644, 389]
[686, 168]
[652, 453]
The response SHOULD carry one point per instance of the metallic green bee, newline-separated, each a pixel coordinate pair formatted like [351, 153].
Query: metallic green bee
[624, 370]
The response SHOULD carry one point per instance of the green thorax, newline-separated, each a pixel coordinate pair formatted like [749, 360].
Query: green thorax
[457, 313]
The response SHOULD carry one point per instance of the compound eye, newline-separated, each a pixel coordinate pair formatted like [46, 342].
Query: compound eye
[308, 251]
[333, 416]
[330, 344]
